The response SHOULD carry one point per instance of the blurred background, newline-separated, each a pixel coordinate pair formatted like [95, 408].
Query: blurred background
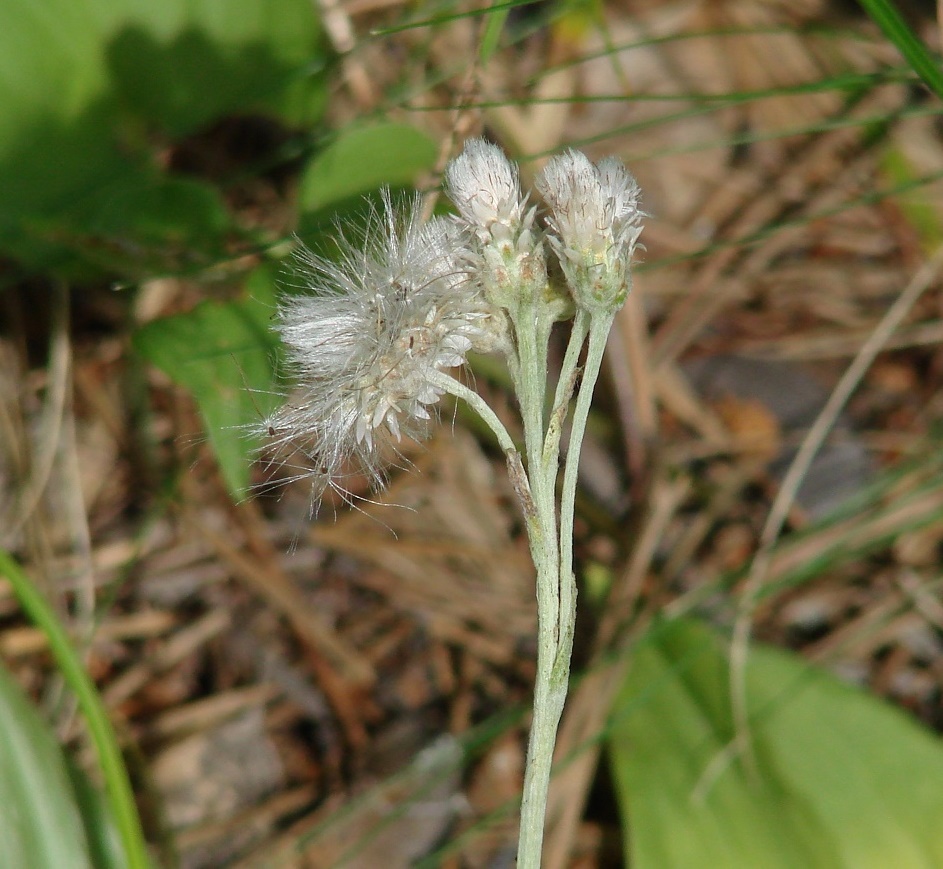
[759, 664]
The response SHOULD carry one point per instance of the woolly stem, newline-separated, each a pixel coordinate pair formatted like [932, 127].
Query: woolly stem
[598, 333]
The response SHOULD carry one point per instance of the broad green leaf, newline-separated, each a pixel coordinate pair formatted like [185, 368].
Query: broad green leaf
[86, 84]
[40, 823]
[180, 64]
[365, 158]
[844, 780]
[136, 225]
[54, 83]
[161, 207]
[179, 224]
[223, 353]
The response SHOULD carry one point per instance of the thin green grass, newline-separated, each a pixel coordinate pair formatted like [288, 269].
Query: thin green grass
[119, 793]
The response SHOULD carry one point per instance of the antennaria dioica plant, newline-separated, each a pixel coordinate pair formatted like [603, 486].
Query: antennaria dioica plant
[373, 344]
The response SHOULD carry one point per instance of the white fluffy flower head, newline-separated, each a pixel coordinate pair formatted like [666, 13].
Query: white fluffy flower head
[508, 256]
[596, 222]
[371, 341]
[485, 187]
[396, 306]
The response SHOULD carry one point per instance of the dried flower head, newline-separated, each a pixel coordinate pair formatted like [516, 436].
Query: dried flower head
[397, 305]
[508, 255]
[595, 224]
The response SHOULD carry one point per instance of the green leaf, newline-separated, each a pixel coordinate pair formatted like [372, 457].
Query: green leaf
[178, 224]
[120, 797]
[162, 207]
[844, 780]
[363, 159]
[180, 64]
[85, 85]
[40, 824]
[491, 36]
[927, 65]
[104, 842]
[136, 224]
[53, 87]
[916, 201]
[224, 355]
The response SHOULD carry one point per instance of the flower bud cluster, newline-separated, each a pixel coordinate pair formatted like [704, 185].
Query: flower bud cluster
[508, 255]
[595, 223]
[408, 300]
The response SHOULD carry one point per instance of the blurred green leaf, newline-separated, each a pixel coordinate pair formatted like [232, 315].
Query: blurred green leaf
[40, 824]
[179, 224]
[916, 201]
[54, 136]
[137, 225]
[180, 64]
[186, 209]
[104, 842]
[362, 159]
[491, 36]
[843, 779]
[224, 354]
[120, 797]
[927, 65]
[86, 84]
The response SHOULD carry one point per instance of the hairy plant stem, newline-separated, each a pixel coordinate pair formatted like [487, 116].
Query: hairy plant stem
[530, 376]
[477, 404]
[551, 547]
[599, 327]
[555, 616]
